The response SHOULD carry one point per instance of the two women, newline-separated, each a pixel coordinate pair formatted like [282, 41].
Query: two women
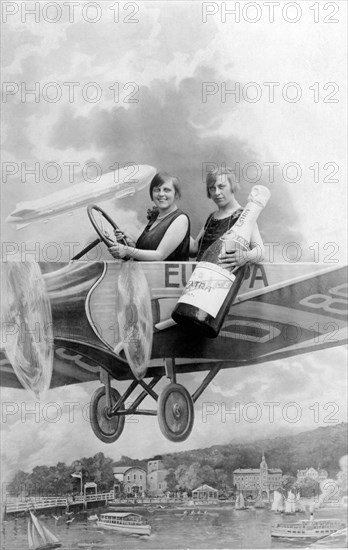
[167, 235]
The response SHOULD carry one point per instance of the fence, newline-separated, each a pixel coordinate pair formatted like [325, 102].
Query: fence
[40, 503]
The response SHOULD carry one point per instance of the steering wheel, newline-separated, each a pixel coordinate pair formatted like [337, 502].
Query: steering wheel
[103, 233]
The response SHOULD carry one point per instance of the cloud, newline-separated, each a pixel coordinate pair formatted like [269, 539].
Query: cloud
[169, 54]
[249, 403]
[169, 127]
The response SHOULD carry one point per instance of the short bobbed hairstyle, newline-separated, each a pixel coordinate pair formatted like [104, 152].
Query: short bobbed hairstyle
[213, 175]
[162, 177]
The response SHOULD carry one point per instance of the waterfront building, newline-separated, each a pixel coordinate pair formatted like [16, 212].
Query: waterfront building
[155, 464]
[130, 480]
[311, 473]
[205, 492]
[156, 474]
[255, 481]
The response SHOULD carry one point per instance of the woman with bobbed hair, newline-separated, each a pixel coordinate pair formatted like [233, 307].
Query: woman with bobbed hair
[167, 234]
[221, 187]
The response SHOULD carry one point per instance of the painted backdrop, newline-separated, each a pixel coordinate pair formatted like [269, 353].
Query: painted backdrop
[180, 86]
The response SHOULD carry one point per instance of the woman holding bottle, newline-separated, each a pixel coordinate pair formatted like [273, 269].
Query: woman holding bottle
[221, 188]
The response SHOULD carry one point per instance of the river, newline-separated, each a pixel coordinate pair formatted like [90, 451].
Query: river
[226, 528]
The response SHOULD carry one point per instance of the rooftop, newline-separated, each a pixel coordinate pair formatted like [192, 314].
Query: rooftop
[256, 471]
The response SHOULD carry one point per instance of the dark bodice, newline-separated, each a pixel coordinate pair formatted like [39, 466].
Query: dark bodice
[213, 229]
[149, 240]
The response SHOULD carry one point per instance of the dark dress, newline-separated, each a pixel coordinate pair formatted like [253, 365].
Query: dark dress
[149, 240]
[213, 229]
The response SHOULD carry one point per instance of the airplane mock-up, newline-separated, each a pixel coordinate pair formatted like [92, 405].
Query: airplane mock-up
[81, 321]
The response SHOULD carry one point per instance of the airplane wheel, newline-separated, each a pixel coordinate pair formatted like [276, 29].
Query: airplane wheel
[175, 412]
[106, 428]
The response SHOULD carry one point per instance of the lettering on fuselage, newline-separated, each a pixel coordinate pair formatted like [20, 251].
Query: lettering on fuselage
[177, 275]
[256, 272]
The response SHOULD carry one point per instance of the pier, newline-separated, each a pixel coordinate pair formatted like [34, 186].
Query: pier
[53, 504]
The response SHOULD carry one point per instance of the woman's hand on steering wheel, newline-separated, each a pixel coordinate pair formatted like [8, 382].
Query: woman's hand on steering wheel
[103, 234]
[120, 251]
[120, 236]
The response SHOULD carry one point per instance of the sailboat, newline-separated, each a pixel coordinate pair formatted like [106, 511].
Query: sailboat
[299, 506]
[240, 503]
[39, 537]
[290, 504]
[278, 502]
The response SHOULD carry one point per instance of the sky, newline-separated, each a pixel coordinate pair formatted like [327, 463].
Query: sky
[152, 85]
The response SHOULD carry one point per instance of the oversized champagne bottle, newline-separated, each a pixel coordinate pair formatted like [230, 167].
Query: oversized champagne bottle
[211, 288]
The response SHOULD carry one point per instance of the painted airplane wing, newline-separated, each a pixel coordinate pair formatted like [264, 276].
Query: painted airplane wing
[304, 314]
[292, 317]
[275, 317]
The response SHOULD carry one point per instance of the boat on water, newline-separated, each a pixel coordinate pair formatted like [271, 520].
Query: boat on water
[93, 517]
[125, 522]
[39, 537]
[278, 503]
[290, 504]
[240, 502]
[299, 506]
[313, 529]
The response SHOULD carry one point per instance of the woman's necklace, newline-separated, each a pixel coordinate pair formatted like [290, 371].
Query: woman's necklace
[238, 207]
[165, 215]
[159, 219]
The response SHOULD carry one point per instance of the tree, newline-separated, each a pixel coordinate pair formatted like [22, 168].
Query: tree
[20, 484]
[180, 476]
[221, 479]
[62, 479]
[207, 474]
[103, 472]
[170, 480]
[308, 487]
[39, 478]
[188, 478]
[287, 482]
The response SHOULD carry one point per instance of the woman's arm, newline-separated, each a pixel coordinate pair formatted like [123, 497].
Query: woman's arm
[255, 254]
[194, 243]
[170, 241]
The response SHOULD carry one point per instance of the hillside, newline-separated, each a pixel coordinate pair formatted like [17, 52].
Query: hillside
[321, 447]
[214, 465]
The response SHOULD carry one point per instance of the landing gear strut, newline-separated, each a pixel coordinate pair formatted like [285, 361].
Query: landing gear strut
[175, 405]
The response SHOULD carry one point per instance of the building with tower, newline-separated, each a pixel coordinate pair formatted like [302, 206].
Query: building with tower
[156, 474]
[134, 481]
[254, 481]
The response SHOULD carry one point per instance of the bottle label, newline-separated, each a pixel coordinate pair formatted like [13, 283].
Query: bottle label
[233, 240]
[208, 287]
